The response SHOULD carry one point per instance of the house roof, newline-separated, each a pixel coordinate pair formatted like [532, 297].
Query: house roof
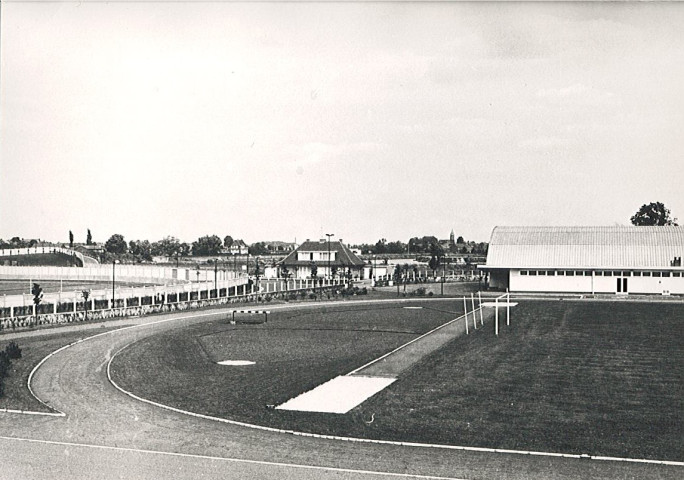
[345, 257]
[585, 247]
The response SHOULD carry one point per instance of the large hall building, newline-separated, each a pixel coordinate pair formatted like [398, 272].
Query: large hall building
[618, 259]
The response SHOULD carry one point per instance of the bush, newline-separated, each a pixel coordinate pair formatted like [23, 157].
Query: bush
[13, 350]
[4, 363]
[419, 292]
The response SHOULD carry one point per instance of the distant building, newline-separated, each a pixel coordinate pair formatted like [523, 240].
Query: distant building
[309, 253]
[280, 247]
[238, 247]
[620, 260]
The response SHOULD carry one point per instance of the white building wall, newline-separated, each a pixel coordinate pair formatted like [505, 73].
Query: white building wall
[597, 283]
[546, 283]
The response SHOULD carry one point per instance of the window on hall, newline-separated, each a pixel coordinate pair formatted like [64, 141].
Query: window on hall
[311, 256]
[542, 272]
[523, 272]
[656, 274]
[646, 274]
[551, 273]
[666, 274]
[560, 273]
[569, 273]
[587, 273]
[533, 272]
[598, 273]
[607, 273]
[637, 274]
[676, 274]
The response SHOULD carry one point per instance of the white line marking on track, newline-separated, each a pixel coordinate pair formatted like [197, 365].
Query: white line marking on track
[228, 459]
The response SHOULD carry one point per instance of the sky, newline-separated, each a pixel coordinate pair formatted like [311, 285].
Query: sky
[287, 121]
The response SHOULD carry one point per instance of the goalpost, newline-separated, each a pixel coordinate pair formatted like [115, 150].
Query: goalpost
[264, 312]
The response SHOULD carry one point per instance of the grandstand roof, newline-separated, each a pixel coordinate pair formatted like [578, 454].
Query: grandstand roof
[585, 247]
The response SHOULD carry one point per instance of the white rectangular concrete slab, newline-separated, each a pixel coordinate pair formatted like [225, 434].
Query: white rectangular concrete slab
[338, 395]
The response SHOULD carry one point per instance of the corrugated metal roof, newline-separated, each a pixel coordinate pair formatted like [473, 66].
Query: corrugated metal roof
[585, 247]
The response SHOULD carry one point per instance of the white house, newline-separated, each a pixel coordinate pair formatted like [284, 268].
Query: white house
[323, 255]
[618, 259]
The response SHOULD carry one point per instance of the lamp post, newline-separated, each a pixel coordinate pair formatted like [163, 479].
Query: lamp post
[216, 276]
[113, 280]
[329, 271]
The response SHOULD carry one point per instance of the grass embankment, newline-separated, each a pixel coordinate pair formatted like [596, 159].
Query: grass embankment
[43, 260]
[596, 378]
[16, 287]
[33, 350]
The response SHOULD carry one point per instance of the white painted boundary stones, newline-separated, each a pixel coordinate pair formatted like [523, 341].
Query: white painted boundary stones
[233, 312]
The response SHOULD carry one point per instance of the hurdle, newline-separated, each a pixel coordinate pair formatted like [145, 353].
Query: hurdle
[264, 312]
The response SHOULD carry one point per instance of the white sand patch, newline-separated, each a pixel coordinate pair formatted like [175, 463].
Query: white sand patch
[338, 395]
[500, 304]
[413, 308]
[236, 362]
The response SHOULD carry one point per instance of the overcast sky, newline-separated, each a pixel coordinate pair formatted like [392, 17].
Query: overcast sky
[276, 121]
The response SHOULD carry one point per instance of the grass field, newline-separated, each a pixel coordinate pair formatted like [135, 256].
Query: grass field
[33, 350]
[596, 378]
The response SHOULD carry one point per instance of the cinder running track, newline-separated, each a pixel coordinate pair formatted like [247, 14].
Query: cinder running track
[108, 435]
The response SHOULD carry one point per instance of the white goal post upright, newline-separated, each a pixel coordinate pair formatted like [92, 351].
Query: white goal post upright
[479, 296]
[508, 307]
[496, 316]
[472, 303]
[465, 308]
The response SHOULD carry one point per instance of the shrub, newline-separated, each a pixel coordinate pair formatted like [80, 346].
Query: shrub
[420, 291]
[13, 350]
[4, 363]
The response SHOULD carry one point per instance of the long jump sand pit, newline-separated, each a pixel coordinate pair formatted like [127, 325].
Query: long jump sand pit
[338, 395]
[343, 393]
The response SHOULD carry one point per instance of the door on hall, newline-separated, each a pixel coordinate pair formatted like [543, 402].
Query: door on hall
[621, 286]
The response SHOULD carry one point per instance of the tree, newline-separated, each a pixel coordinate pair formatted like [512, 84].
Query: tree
[227, 241]
[653, 214]
[141, 249]
[89, 238]
[258, 248]
[207, 246]
[71, 239]
[284, 272]
[460, 240]
[314, 270]
[116, 244]
[168, 246]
